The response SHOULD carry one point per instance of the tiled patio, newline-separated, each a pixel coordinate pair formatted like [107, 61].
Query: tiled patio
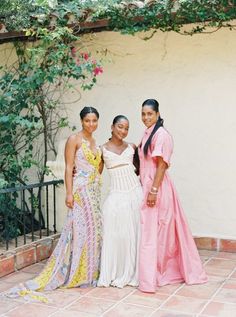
[216, 298]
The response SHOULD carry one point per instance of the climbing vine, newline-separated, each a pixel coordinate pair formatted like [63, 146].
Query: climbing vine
[126, 16]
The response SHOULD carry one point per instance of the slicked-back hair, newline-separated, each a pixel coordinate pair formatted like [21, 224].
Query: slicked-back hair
[118, 118]
[87, 110]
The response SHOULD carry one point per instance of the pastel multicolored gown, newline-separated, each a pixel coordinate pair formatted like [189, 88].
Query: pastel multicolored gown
[75, 260]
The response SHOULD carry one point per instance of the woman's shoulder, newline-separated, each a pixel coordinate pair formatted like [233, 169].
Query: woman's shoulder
[104, 145]
[163, 131]
[164, 134]
[131, 145]
[74, 140]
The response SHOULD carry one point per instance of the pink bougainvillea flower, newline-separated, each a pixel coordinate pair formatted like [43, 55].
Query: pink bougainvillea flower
[73, 51]
[97, 70]
[77, 61]
[85, 56]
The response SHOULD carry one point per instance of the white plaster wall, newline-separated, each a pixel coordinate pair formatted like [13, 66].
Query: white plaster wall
[194, 79]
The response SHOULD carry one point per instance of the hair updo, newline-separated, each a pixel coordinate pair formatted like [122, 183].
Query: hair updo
[119, 118]
[87, 110]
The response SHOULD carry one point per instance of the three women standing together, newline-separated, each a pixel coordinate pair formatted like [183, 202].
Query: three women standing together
[144, 239]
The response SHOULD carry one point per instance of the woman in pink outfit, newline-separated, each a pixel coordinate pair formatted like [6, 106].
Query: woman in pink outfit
[168, 253]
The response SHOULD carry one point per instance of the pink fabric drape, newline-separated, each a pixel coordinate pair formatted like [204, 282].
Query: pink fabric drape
[168, 253]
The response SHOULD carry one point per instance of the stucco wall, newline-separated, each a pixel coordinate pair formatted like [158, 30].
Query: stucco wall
[193, 78]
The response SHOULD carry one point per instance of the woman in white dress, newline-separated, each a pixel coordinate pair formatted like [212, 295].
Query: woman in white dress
[121, 211]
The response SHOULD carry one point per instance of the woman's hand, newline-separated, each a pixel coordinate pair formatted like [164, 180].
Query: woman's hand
[160, 172]
[69, 201]
[151, 200]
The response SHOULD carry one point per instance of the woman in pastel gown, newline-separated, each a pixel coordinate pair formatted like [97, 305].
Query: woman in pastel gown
[168, 253]
[121, 211]
[75, 260]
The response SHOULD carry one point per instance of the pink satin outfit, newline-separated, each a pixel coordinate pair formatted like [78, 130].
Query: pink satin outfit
[168, 253]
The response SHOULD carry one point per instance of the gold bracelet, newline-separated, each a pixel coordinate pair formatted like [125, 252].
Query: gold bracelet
[154, 189]
[153, 193]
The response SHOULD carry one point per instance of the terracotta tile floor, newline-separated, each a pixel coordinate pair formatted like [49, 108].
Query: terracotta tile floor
[216, 298]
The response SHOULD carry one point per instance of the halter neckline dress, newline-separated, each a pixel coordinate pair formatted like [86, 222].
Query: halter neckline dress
[76, 258]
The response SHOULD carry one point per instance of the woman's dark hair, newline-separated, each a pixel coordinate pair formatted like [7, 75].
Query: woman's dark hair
[155, 106]
[87, 110]
[118, 118]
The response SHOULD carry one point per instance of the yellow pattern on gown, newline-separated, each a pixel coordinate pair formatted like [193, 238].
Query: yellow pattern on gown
[75, 260]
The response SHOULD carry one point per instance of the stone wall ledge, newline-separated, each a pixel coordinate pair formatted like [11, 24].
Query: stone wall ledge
[14, 260]
[215, 244]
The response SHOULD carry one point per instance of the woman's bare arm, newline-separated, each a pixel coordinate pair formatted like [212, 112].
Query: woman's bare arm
[70, 148]
[101, 166]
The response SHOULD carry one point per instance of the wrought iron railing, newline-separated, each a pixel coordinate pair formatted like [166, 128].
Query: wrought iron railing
[27, 213]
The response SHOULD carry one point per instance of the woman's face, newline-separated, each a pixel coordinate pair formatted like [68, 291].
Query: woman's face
[149, 116]
[90, 122]
[120, 129]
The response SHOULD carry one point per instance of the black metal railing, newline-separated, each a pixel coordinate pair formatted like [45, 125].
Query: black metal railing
[27, 213]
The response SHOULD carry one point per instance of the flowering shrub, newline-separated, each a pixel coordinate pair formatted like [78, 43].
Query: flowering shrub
[86, 63]
[32, 111]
